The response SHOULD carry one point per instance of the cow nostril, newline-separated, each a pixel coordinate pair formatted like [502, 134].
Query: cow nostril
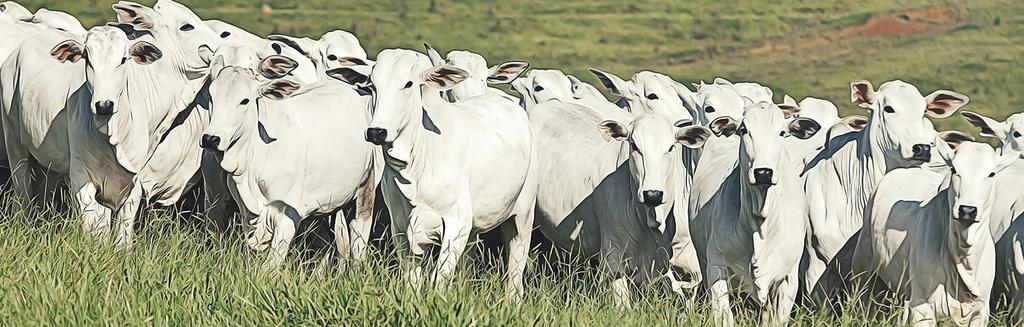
[653, 198]
[376, 135]
[210, 142]
[920, 149]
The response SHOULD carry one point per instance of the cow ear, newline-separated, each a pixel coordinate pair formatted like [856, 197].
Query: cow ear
[989, 127]
[506, 72]
[721, 81]
[435, 58]
[789, 106]
[145, 53]
[942, 103]
[353, 61]
[855, 122]
[614, 84]
[863, 94]
[279, 89]
[355, 75]
[724, 126]
[804, 128]
[689, 98]
[128, 29]
[613, 130]
[68, 50]
[954, 138]
[444, 77]
[136, 15]
[693, 136]
[206, 54]
[277, 66]
[747, 102]
[216, 67]
[945, 149]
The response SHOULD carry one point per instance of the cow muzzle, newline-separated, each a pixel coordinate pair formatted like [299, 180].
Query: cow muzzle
[967, 214]
[210, 142]
[103, 108]
[763, 176]
[653, 198]
[376, 136]
[922, 152]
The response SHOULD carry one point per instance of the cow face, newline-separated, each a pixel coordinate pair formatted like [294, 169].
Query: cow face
[479, 74]
[1010, 133]
[339, 44]
[717, 106]
[897, 122]
[172, 26]
[108, 54]
[540, 85]
[401, 80]
[235, 95]
[762, 141]
[647, 92]
[973, 167]
[653, 142]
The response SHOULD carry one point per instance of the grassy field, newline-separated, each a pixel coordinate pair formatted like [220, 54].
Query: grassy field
[51, 274]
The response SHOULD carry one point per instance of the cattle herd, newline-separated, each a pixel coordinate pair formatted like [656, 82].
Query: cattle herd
[711, 188]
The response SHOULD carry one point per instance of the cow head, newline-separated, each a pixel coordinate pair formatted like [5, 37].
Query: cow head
[541, 85]
[402, 80]
[57, 20]
[973, 168]
[653, 142]
[107, 53]
[824, 112]
[1009, 132]
[14, 10]
[647, 92]
[339, 44]
[235, 94]
[762, 140]
[479, 74]
[717, 106]
[175, 28]
[897, 120]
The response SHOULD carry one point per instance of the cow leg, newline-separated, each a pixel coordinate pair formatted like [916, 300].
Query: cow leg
[922, 313]
[620, 292]
[785, 298]
[341, 238]
[362, 222]
[517, 233]
[95, 217]
[718, 292]
[453, 243]
[284, 232]
[21, 177]
[126, 216]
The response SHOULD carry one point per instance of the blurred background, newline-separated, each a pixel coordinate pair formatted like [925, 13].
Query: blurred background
[796, 47]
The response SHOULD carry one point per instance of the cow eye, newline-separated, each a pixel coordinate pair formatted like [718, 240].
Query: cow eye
[889, 109]
[225, 34]
[124, 60]
[782, 133]
[538, 88]
[187, 27]
[652, 96]
[1016, 134]
[332, 57]
[992, 174]
[709, 109]
[408, 84]
[244, 102]
[952, 170]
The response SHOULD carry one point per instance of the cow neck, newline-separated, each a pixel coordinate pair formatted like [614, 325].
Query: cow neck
[968, 260]
[415, 139]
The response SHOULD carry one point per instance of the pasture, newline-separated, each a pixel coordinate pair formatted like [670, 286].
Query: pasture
[177, 273]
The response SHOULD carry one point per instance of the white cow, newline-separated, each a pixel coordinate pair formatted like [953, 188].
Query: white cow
[842, 176]
[479, 74]
[759, 250]
[134, 125]
[440, 185]
[292, 151]
[930, 236]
